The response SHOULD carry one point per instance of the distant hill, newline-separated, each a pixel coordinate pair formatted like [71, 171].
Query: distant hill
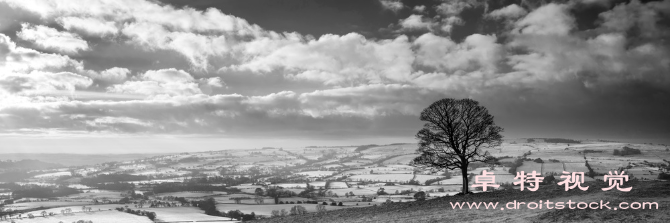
[553, 140]
[365, 147]
[28, 165]
[67, 159]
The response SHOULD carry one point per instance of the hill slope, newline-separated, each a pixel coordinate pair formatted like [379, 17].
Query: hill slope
[440, 209]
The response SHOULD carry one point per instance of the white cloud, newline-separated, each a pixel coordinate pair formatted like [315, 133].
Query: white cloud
[414, 22]
[605, 3]
[24, 60]
[393, 5]
[197, 35]
[52, 39]
[89, 26]
[171, 82]
[452, 8]
[512, 11]
[335, 60]
[214, 82]
[40, 83]
[114, 74]
[636, 15]
[476, 52]
[419, 8]
[548, 19]
[167, 76]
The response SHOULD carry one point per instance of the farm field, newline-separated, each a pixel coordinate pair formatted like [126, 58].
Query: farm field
[45, 204]
[552, 168]
[529, 167]
[187, 194]
[316, 173]
[267, 209]
[97, 217]
[184, 214]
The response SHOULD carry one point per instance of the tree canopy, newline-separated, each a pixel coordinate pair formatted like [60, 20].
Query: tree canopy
[454, 135]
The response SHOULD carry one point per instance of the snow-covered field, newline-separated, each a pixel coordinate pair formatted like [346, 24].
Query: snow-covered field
[97, 217]
[53, 175]
[316, 173]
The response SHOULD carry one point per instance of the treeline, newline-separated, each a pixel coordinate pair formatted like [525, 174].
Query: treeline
[113, 186]
[178, 187]
[626, 151]
[555, 140]
[364, 147]
[222, 180]
[43, 192]
[209, 206]
[148, 214]
[111, 178]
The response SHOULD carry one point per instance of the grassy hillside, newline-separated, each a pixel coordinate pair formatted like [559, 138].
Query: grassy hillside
[440, 209]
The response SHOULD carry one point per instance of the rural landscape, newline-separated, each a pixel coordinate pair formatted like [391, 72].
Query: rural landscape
[292, 184]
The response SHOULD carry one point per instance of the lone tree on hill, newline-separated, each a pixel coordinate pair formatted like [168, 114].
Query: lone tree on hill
[454, 135]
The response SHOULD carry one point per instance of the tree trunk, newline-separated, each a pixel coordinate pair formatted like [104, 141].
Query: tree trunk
[464, 173]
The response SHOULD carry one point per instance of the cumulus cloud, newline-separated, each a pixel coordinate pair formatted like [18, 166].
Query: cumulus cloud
[393, 5]
[336, 60]
[476, 52]
[24, 60]
[89, 26]
[419, 8]
[171, 82]
[512, 11]
[52, 39]
[38, 83]
[167, 76]
[196, 35]
[414, 22]
[636, 15]
[549, 19]
[112, 75]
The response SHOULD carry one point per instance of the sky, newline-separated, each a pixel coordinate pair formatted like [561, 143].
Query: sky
[93, 76]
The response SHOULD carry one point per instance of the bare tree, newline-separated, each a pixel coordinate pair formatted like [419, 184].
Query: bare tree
[454, 135]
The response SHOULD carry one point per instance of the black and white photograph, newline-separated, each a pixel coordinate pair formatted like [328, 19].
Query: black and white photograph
[170, 111]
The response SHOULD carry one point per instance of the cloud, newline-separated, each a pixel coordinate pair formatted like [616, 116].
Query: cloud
[335, 60]
[452, 8]
[512, 11]
[419, 8]
[39, 83]
[170, 82]
[199, 36]
[113, 75]
[159, 69]
[476, 52]
[25, 60]
[89, 26]
[636, 15]
[604, 3]
[393, 5]
[414, 22]
[548, 19]
[167, 76]
[52, 39]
